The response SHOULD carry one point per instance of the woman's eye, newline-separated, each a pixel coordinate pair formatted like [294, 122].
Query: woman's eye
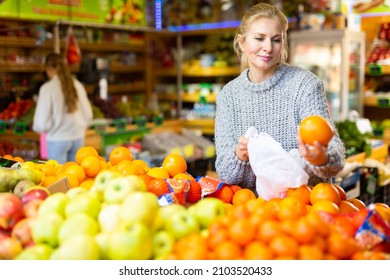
[259, 39]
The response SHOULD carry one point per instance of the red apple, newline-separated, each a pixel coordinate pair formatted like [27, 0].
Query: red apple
[31, 208]
[22, 232]
[34, 193]
[4, 233]
[11, 210]
[9, 248]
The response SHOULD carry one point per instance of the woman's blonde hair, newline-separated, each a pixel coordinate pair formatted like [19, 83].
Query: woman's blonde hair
[57, 62]
[261, 10]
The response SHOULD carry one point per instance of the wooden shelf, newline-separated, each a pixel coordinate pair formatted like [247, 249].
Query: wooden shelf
[119, 88]
[190, 98]
[372, 101]
[166, 72]
[24, 42]
[21, 68]
[112, 47]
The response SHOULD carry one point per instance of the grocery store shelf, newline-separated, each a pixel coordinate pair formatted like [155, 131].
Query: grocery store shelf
[21, 68]
[190, 98]
[383, 70]
[119, 88]
[23, 42]
[377, 101]
[379, 153]
[198, 71]
[137, 46]
[206, 126]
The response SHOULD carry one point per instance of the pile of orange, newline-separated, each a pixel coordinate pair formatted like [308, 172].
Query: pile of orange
[14, 158]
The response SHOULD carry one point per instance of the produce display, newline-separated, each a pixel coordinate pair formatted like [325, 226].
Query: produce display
[121, 208]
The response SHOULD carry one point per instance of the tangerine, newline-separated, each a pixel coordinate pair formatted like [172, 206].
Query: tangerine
[184, 175]
[315, 128]
[325, 191]
[346, 206]
[84, 152]
[174, 164]
[158, 172]
[284, 246]
[358, 203]
[291, 208]
[228, 250]
[91, 166]
[76, 170]
[241, 231]
[342, 193]
[257, 250]
[120, 153]
[241, 196]
[302, 193]
[325, 206]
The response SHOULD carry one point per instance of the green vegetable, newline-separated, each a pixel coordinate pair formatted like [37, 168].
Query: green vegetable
[355, 142]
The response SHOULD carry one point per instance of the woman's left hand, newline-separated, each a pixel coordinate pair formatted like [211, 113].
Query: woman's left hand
[316, 154]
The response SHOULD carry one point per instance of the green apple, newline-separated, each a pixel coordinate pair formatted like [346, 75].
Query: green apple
[77, 247]
[108, 217]
[73, 192]
[139, 206]
[101, 240]
[102, 179]
[163, 244]
[45, 229]
[164, 213]
[116, 190]
[83, 202]
[208, 210]
[181, 224]
[132, 243]
[35, 252]
[76, 224]
[55, 203]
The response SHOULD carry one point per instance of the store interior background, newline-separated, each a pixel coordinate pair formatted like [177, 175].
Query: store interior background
[165, 61]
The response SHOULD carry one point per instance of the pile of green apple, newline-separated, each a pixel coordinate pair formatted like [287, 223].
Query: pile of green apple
[117, 219]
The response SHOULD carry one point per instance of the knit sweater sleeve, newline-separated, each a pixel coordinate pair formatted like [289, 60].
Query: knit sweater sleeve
[228, 166]
[313, 102]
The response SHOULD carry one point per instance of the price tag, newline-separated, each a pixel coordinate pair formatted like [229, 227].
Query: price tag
[158, 120]
[3, 126]
[20, 128]
[383, 102]
[374, 69]
[120, 124]
[100, 127]
[141, 122]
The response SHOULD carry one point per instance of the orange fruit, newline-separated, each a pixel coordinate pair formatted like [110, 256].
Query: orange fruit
[257, 250]
[358, 203]
[241, 231]
[235, 188]
[291, 208]
[225, 193]
[303, 231]
[91, 166]
[64, 166]
[184, 175]
[87, 184]
[158, 187]
[78, 171]
[383, 210]
[242, 196]
[340, 246]
[325, 191]
[284, 246]
[269, 229]
[84, 152]
[141, 163]
[302, 193]
[133, 169]
[325, 206]
[228, 250]
[8, 157]
[359, 217]
[310, 252]
[47, 169]
[158, 172]
[48, 180]
[194, 194]
[342, 193]
[315, 128]
[121, 165]
[18, 159]
[72, 179]
[174, 164]
[346, 207]
[120, 153]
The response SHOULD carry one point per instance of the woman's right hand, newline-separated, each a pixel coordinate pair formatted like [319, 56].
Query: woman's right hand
[242, 149]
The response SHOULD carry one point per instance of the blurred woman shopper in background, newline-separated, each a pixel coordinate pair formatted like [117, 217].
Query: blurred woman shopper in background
[273, 97]
[63, 110]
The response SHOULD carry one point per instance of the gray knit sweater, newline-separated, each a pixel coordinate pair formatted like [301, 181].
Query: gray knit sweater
[276, 106]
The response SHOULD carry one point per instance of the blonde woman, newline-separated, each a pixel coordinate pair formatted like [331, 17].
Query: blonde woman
[63, 110]
[273, 97]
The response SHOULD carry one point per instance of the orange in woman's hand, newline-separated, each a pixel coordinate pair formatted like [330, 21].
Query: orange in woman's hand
[315, 128]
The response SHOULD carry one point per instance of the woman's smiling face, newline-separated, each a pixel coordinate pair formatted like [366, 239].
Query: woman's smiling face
[263, 44]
